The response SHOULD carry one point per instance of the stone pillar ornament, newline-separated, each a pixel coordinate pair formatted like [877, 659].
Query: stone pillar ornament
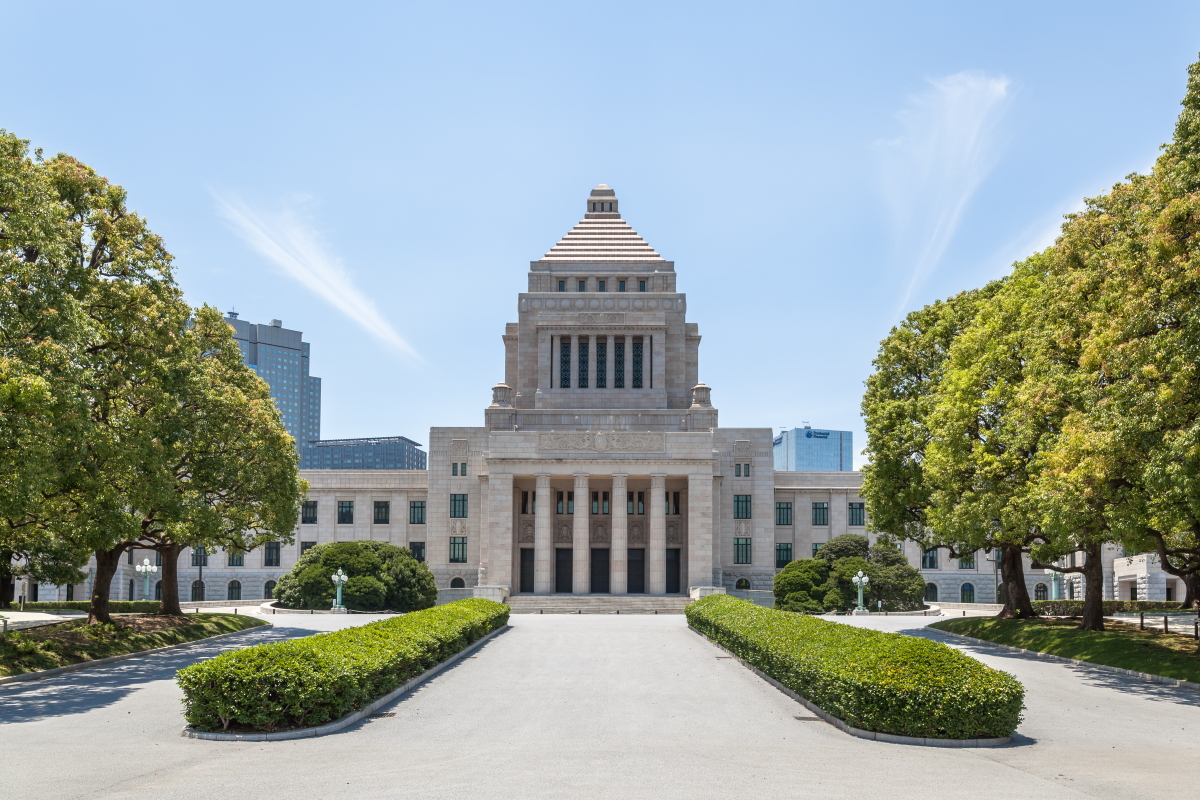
[701, 396]
[618, 556]
[581, 540]
[543, 545]
[656, 549]
[501, 396]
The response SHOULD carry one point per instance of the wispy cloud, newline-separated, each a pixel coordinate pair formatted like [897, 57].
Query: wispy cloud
[948, 144]
[290, 244]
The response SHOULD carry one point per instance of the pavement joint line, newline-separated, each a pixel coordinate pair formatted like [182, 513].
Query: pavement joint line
[1146, 676]
[99, 662]
[841, 725]
[348, 719]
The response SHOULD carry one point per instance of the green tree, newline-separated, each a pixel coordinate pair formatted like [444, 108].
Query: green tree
[848, 545]
[382, 576]
[894, 581]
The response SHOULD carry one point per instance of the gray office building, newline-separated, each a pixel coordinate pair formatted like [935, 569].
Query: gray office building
[280, 357]
[380, 452]
[811, 449]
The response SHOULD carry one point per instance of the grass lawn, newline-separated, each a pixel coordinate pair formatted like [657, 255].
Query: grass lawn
[74, 641]
[1124, 646]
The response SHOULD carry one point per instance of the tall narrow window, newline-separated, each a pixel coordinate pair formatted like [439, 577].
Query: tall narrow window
[271, 554]
[583, 286]
[454, 468]
[416, 512]
[741, 506]
[858, 514]
[604, 503]
[345, 512]
[560, 502]
[737, 470]
[637, 362]
[600, 286]
[199, 556]
[458, 549]
[641, 286]
[601, 362]
[237, 558]
[741, 550]
[524, 502]
[641, 502]
[564, 362]
[675, 502]
[418, 550]
[667, 503]
[383, 512]
[820, 513]
[783, 513]
[308, 513]
[929, 559]
[595, 502]
[620, 286]
[570, 502]
[629, 505]
[783, 554]
[583, 362]
[619, 364]
[458, 506]
[562, 286]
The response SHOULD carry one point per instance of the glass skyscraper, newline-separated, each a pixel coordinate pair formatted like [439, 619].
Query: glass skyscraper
[280, 357]
[812, 450]
[379, 452]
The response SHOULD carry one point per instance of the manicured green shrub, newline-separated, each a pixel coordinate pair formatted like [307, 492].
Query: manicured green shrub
[114, 606]
[1074, 608]
[886, 682]
[314, 680]
[382, 576]
[814, 585]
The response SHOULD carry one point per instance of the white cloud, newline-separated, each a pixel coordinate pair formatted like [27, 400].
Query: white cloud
[291, 245]
[948, 146]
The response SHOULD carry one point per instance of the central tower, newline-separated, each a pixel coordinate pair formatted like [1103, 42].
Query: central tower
[601, 340]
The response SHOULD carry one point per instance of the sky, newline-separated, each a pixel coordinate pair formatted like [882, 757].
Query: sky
[380, 175]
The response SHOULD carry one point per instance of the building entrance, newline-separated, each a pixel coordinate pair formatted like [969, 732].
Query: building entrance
[673, 570]
[527, 569]
[600, 571]
[637, 571]
[562, 569]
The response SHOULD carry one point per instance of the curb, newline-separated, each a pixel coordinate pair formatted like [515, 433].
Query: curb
[99, 662]
[1146, 676]
[859, 732]
[348, 719]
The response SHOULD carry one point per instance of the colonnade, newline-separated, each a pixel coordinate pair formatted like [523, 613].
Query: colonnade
[651, 358]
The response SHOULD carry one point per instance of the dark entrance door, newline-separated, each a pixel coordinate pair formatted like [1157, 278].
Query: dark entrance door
[600, 571]
[637, 571]
[527, 569]
[562, 570]
[673, 571]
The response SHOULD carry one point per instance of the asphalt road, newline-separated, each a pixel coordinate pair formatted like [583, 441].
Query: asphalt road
[592, 706]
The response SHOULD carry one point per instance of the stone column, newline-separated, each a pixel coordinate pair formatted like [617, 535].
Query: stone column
[545, 372]
[574, 376]
[627, 368]
[659, 367]
[657, 548]
[543, 537]
[618, 556]
[581, 543]
[608, 362]
[701, 543]
[592, 362]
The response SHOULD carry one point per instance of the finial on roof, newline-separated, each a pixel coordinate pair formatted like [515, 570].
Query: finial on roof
[602, 203]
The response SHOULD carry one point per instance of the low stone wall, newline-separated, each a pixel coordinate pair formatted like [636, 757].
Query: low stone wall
[972, 609]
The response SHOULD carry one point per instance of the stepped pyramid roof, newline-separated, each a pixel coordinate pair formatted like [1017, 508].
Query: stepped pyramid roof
[602, 237]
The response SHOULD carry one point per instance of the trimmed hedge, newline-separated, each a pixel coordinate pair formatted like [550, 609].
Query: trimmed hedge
[317, 679]
[886, 682]
[1074, 608]
[114, 606]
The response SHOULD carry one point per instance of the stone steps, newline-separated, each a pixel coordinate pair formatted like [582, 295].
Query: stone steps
[597, 604]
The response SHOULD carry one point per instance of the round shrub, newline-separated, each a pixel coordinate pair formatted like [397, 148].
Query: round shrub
[382, 576]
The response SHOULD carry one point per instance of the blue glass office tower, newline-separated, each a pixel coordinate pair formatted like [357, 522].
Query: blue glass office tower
[280, 357]
[380, 452]
[810, 449]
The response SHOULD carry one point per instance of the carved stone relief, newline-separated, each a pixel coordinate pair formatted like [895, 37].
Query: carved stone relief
[458, 448]
[636, 535]
[564, 535]
[673, 534]
[601, 319]
[602, 442]
[458, 528]
[599, 532]
[741, 528]
[743, 449]
[526, 533]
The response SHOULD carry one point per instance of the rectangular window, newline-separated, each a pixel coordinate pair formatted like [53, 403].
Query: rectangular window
[816, 546]
[783, 554]
[308, 513]
[458, 549]
[570, 502]
[458, 506]
[157, 559]
[418, 550]
[675, 502]
[737, 470]
[629, 504]
[129, 557]
[858, 514]
[620, 286]
[199, 556]
[583, 362]
[345, 515]
[641, 286]
[583, 286]
[462, 469]
[783, 513]
[637, 362]
[820, 513]
[741, 550]
[619, 364]
[745, 470]
[559, 496]
[416, 512]
[641, 502]
[454, 469]
[595, 502]
[237, 558]
[562, 286]
[604, 502]
[524, 502]
[564, 362]
[601, 362]
[601, 286]
[667, 503]
[929, 559]
[966, 561]
[306, 546]
[383, 512]
[741, 506]
[271, 554]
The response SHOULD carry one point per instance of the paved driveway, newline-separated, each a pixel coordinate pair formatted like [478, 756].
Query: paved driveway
[594, 706]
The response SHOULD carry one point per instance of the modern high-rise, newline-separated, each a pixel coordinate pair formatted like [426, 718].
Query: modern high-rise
[377, 452]
[814, 450]
[280, 357]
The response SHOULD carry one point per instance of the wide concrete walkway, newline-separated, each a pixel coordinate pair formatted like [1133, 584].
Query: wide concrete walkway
[593, 706]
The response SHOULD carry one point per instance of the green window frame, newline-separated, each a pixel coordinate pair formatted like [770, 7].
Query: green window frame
[929, 559]
[783, 554]
[345, 512]
[967, 560]
[237, 558]
[383, 512]
[199, 556]
[416, 512]
[458, 549]
[458, 506]
[820, 513]
[741, 506]
[271, 554]
[741, 550]
[308, 513]
[783, 513]
[857, 514]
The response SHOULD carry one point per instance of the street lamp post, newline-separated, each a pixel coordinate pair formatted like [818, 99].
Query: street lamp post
[339, 579]
[146, 569]
[860, 581]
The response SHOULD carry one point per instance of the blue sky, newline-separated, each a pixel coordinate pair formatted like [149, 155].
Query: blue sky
[380, 175]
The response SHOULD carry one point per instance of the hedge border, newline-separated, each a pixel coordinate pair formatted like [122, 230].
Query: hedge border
[100, 662]
[1146, 676]
[859, 732]
[353, 716]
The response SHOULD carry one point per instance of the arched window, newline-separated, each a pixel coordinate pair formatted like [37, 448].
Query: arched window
[931, 593]
[269, 590]
[1039, 592]
[967, 593]
[158, 590]
[235, 591]
[458, 583]
[197, 591]
[743, 584]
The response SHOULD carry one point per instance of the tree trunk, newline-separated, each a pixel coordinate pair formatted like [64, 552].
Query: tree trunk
[1191, 594]
[169, 604]
[107, 562]
[6, 575]
[1093, 588]
[1016, 595]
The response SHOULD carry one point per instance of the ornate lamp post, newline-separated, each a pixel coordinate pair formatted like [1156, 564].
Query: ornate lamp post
[146, 569]
[860, 581]
[339, 579]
